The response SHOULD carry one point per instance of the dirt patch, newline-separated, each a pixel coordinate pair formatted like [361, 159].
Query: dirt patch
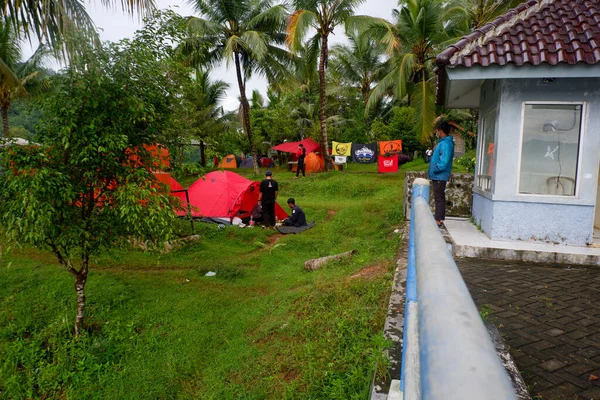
[273, 239]
[371, 272]
[330, 214]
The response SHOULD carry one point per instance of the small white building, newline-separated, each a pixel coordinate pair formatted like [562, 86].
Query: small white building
[534, 75]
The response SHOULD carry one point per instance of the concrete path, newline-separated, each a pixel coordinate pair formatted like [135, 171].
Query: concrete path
[549, 316]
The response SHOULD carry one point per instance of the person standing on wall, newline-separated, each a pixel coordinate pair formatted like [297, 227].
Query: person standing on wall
[301, 156]
[267, 197]
[440, 169]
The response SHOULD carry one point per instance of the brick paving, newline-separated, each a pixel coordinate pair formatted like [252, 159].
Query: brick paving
[549, 316]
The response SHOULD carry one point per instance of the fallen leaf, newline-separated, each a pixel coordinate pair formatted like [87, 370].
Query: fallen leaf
[593, 377]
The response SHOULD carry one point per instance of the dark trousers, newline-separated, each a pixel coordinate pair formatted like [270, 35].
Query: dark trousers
[268, 209]
[301, 167]
[439, 195]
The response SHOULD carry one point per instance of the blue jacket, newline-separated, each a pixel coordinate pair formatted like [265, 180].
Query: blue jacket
[440, 166]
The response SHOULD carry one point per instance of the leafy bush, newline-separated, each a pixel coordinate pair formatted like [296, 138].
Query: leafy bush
[403, 158]
[467, 161]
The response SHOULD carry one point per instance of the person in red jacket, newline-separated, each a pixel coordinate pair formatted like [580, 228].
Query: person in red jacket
[301, 154]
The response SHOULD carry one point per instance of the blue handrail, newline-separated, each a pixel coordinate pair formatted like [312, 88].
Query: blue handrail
[447, 352]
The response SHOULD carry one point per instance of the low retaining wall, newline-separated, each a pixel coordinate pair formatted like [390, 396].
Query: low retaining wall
[459, 194]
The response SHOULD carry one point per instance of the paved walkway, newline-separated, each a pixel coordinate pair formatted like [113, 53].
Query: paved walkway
[550, 318]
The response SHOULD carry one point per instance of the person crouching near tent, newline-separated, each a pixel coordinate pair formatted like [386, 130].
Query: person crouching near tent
[298, 218]
[267, 197]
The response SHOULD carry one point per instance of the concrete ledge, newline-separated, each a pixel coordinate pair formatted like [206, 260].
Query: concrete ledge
[468, 242]
[466, 251]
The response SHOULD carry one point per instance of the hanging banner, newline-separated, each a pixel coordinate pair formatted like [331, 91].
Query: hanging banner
[341, 149]
[364, 153]
[390, 147]
[339, 160]
[387, 164]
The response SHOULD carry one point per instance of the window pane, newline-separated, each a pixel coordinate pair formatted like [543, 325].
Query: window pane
[550, 149]
[487, 164]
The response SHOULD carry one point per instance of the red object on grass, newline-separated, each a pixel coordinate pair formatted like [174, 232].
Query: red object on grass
[224, 194]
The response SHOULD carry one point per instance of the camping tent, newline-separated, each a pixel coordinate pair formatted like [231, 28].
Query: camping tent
[247, 163]
[225, 194]
[264, 162]
[314, 162]
[292, 147]
[230, 162]
[173, 186]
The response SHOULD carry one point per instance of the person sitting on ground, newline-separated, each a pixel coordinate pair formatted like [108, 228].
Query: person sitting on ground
[298, 218]
[256, 215]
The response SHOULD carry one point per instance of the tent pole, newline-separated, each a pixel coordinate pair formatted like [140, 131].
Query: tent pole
[187, 198]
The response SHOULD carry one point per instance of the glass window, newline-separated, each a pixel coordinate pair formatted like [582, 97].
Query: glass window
[550, 149]
[487, 153]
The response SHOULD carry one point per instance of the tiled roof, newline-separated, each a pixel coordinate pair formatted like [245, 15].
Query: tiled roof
[537, 32]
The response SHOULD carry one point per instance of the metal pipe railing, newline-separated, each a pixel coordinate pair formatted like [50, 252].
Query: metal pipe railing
[456, 358]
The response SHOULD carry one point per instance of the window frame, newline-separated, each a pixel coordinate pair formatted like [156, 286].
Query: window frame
[582, 120]
[482, 151]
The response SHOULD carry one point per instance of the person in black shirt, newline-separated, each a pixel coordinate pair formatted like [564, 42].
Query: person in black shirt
[298, 218]
[301, 156]
[267, 197]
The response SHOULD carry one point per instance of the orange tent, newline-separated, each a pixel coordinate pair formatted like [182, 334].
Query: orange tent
[314, 163]
[229, 162]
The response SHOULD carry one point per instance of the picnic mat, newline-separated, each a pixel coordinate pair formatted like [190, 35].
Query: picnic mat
[295, 229]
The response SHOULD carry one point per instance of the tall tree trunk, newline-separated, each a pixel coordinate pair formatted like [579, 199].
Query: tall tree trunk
[245, 111]
[202, 154]
[4, 111]
[322, 102]
[80, 279]
[366, 91]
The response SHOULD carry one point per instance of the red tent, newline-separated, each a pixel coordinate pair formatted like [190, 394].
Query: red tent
[225, 194]
[292, 147]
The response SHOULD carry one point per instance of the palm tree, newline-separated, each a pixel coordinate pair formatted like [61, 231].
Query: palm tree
[51, 21]
[473, 14]
[323, 16]
[246, 33]
[17, 77]
[412, 43]
[358, 66]
[203, 113]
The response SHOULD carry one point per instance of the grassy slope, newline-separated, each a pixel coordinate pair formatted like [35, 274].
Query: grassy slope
[263, 328]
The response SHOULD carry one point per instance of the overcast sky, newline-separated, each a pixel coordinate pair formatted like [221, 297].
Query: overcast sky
[115, 25]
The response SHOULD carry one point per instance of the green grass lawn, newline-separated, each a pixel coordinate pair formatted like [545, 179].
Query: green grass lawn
[262, 328]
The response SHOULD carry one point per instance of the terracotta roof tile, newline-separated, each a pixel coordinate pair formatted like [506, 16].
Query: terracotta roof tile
[536, 32]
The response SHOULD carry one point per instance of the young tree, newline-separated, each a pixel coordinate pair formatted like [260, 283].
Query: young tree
[88, 185]
[323, 16]
[246, 33]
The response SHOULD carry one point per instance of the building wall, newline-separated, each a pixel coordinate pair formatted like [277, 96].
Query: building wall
[552, 223]
[561, 219]
[483, 213]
